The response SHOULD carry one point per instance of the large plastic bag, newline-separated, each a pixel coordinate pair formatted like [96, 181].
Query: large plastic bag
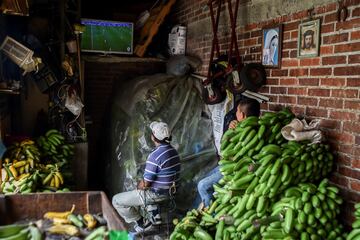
[181, 65]
[174, 100]
[299, 130]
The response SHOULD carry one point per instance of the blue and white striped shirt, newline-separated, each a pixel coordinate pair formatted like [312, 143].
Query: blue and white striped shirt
[162, 167]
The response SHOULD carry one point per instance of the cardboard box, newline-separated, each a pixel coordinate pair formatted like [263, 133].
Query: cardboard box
[177, 40]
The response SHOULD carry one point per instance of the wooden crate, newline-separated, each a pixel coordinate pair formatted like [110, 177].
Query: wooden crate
[18, 207]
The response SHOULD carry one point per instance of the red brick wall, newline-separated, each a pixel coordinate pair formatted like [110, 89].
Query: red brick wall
[324, 87]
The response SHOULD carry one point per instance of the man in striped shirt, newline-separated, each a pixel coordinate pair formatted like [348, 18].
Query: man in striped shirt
[161, 175]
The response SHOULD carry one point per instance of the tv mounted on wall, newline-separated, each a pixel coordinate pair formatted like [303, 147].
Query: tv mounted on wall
[107, 37]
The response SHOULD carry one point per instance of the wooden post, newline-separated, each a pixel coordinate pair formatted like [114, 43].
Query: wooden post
[0, 171]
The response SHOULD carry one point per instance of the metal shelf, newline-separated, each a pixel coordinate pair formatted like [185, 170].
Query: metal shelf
[9, 91]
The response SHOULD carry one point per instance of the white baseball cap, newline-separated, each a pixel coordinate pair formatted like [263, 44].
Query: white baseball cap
[160, 130]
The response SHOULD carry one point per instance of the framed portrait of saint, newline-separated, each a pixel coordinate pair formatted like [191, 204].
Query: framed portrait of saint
[309, 39]
[271, 46]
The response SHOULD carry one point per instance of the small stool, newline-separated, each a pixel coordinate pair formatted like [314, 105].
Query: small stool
[166, 205]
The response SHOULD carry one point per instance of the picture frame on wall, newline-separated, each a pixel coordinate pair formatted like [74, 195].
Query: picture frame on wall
[309, 39]
[271, 46]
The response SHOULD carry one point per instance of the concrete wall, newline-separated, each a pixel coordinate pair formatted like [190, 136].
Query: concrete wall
[324, 87]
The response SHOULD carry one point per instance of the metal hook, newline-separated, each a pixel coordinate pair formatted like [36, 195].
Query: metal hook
[311, 13]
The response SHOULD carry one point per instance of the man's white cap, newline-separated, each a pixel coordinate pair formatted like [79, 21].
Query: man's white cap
[160, 130]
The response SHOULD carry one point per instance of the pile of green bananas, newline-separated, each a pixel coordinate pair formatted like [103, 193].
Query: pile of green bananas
[306, 211]
[54, 148]
[19, 231]
[355, 233]
[257, 165]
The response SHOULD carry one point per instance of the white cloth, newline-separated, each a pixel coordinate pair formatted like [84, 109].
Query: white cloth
[299, 130]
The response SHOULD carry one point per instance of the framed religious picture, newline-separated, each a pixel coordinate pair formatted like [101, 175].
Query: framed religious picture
[271, 46]
[309, 39]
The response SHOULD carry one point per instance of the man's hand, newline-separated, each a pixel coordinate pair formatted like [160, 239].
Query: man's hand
[141, 185]
[233, 124]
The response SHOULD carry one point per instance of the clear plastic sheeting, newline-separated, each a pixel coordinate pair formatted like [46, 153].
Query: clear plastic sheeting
[160, 97]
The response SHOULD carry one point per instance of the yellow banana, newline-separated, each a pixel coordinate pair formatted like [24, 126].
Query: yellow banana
[52, 182]
[24, 175]
[58, 221]
[19, 164]
[6, 176]
[29, 154]
[60, 176]
[27, 142]
[13, 171]
[17, 152]
[56, 181]
[27, 167]
[21, 170]
[31, 162]
[51, 215]
[90, 221]
[47, 179]
[64, 229]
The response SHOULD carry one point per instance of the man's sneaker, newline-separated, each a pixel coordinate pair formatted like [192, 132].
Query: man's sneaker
[156, 220]
[143, 226]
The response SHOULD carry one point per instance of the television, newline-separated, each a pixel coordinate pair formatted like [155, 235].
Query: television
[107, 37]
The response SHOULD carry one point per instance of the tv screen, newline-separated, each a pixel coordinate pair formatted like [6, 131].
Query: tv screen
[107, 36]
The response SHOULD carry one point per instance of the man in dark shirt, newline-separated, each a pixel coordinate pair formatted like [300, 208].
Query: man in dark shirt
[243, 108]
[161, 174]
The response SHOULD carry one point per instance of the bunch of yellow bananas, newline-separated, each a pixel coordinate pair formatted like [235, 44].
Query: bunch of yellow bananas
[25, 150]
[18, 169]
[70, 224]
[53, 179]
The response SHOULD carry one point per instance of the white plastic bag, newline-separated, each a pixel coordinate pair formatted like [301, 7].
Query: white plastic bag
[73, 103]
